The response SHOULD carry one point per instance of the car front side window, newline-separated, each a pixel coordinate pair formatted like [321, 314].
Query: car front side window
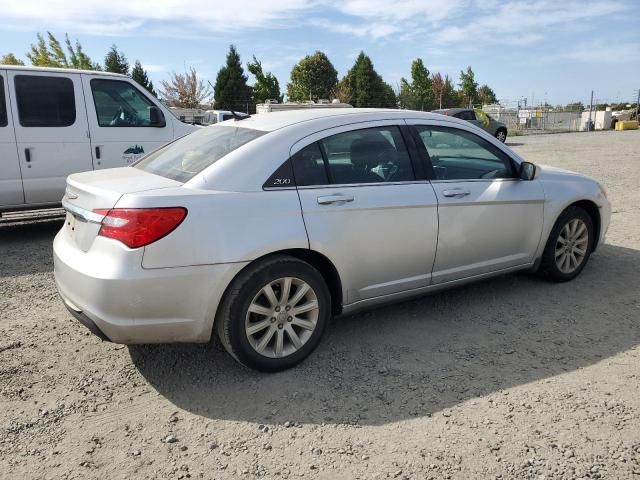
[120, 104]
[460, 155]
[3, 105]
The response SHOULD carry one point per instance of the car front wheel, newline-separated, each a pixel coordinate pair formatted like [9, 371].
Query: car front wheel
[569, 245]
[501, 135]
[274, 314]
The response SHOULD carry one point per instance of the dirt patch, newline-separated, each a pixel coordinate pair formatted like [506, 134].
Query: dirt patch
[510, 378]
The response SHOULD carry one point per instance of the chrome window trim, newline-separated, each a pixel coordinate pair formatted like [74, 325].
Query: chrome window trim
[487, 180]
[351, 185]
[83, 213]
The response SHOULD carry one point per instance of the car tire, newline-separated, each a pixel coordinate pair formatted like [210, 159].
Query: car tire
[569, 245]
[248, 314]
[501, 134]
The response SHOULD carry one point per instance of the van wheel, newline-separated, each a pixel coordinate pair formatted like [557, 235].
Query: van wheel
[274, 313]
[569, 245]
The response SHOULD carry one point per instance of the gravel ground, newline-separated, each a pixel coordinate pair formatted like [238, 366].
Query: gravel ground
[511, 378]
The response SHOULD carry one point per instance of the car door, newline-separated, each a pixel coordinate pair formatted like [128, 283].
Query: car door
[51, 131]
[365, 208]
[11, 192]
[120, 122]
[489, 219]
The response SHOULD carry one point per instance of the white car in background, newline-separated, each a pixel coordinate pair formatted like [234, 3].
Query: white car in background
[261, 229]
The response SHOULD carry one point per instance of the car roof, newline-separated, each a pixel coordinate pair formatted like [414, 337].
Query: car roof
[276, 120]
[59, 70]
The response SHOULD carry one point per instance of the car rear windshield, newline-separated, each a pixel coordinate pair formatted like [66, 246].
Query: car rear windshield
[185, 158]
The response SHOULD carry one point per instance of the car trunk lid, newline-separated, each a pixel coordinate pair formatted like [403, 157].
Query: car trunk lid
[100, 190]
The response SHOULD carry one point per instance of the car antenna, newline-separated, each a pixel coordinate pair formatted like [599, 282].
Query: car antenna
[236, 117]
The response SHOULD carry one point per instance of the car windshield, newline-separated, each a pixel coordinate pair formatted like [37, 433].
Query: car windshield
[185, 158]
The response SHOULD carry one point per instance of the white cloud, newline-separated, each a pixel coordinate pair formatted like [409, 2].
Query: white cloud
[111, 17]
[597, 52]
[152, 68]
[468, 23]
[520, 23]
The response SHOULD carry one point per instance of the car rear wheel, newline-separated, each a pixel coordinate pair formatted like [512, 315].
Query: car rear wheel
[569, 245]
[274, 314]
[501, 135]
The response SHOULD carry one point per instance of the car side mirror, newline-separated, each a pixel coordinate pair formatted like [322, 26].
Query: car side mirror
[527, 171]
[156, 118]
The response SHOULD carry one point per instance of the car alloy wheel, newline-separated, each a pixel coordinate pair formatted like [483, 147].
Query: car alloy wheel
[282, 317]
[571, 246]
[501, 135]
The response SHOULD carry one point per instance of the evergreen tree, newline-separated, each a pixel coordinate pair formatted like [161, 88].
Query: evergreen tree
[116, 62]
[231, 91]
[10, 59]
[468, 87]
[421, 85]
[418, 95]
[486, 95]
[366, 86]
[139, 74]
[266, 86]
[312, 78]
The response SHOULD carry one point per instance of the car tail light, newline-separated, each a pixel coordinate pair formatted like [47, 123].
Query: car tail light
[137, 227]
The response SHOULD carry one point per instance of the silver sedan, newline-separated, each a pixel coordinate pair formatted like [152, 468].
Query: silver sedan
[261, 229]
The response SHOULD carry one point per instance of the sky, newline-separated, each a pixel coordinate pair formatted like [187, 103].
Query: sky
[553, 50]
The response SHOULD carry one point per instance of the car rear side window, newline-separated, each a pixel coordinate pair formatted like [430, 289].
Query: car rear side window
[371, 155]
[3, 105]
[188, 156]
[309, 167]
[45, 101]
[466, 115]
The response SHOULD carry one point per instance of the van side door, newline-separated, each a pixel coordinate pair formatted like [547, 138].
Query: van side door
[10, 179]
[51, 131]
[121, 123]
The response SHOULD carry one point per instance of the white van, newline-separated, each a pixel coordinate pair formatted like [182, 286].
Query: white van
[54, 122]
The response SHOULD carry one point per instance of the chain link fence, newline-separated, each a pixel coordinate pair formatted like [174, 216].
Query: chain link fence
[538, 119]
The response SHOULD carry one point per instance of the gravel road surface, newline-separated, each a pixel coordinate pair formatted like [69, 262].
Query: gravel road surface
[513, 378]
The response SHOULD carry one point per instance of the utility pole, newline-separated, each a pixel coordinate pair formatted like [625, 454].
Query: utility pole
[590, 107]
[637, 103]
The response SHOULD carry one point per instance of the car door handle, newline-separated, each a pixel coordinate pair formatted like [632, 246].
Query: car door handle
[27, 155]
[329, 199]
[456, 192]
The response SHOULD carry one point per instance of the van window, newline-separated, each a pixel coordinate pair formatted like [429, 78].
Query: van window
[3, 105]
[188, 156]
[120, 104]
[45, 101]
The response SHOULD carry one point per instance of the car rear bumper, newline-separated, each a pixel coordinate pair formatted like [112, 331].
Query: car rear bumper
[110, 293]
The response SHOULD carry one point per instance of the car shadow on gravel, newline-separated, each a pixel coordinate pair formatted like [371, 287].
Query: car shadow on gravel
[416, 358]
[25, 248]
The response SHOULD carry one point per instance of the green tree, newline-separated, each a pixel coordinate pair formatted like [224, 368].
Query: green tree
[417, 94]
[10, 59]
[231, 91]
[266, 86]
[486, 95]
[449, 95]
[406, 99]
[53, 55]
[116, 62]
[468, 87]
[366, 86]
[185, 91]
[139, 74]
[312, 78]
